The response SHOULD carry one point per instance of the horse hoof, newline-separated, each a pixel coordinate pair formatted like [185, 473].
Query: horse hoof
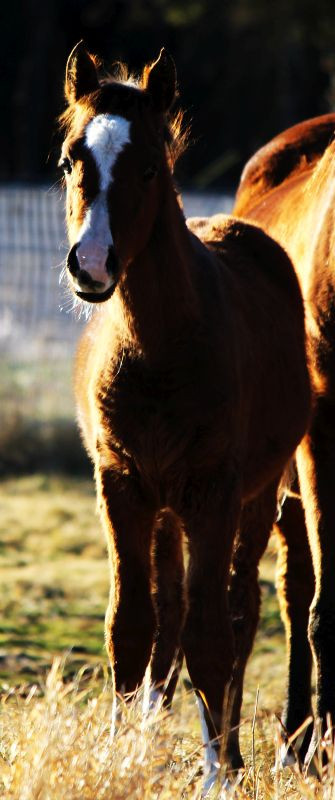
[220, 787]
[287, 757]
[291, 755]
[311, 763]
[152, 701]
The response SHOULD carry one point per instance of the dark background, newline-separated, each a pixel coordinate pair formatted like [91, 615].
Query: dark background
[247, 69]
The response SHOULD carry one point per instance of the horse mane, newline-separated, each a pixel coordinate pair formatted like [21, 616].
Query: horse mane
[176, 132]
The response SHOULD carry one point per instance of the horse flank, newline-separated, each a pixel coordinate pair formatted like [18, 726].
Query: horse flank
[298, 210]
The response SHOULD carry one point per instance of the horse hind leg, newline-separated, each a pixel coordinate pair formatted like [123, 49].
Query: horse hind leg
[169, 601]
[244, 599]
[295, 587]
[316, 468]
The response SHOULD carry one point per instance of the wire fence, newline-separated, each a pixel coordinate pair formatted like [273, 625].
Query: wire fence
[35, 316]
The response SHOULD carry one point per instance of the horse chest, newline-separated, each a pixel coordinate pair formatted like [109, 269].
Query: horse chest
[159, 422]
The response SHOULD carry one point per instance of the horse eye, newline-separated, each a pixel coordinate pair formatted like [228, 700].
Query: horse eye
[65, 165]
[150, 173]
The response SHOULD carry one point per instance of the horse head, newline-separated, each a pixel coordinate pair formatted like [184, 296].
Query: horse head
[114, 158]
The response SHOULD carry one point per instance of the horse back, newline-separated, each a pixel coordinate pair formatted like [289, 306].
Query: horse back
[290, 155]
[296, 208]
[252, 262]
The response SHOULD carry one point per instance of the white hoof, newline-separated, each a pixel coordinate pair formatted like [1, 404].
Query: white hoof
[210, 779]
[220, 787]
[286, 756]
[311, 763]
[152, 701]
[217, 784]
[116, 716]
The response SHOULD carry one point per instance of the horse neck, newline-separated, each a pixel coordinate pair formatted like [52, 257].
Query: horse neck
[159, 296]
[314, 234]
[297, 213]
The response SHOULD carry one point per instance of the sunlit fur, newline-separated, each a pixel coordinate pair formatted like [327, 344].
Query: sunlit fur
[289, 188]
[192, 394]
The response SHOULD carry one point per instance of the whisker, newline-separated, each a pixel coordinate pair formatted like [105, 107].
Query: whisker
[72, 304]
[54, 185]
[60, 265]
[62, 273]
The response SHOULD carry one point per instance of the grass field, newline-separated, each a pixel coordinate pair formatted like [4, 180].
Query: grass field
[38, 429]
[56, 697]
[54, 579]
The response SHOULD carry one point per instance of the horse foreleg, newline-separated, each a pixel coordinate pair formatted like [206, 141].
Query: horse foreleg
[244, 598]
[316, 467]
[207, 636]
[130, 618]
[170, 606]
[295, 586]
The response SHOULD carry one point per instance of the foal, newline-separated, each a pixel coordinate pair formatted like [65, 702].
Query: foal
[192, 391]
[289, 188]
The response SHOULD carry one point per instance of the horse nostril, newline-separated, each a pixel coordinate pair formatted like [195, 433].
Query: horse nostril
[85, 280]
[92, 267]
[72, 261]
[111, 263]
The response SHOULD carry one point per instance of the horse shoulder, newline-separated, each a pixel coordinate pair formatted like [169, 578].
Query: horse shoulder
[96, 359]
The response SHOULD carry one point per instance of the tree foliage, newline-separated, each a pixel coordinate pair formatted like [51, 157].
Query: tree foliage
[247, 69]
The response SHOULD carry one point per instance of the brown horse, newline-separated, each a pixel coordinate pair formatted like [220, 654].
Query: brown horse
[289, 188]
[192, 391]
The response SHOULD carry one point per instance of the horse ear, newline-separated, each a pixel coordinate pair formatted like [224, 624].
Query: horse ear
[160, 81]
[81, 76]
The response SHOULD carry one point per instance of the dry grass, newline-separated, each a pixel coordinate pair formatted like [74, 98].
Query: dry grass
[55, 718]
[61, 745]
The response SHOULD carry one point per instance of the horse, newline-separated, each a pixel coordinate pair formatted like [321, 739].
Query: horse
[192, 393]
[288, 188]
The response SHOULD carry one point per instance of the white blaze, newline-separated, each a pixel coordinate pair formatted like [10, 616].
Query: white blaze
[106, 136]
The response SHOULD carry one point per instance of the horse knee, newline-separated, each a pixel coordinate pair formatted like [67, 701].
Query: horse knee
[244, 603]
[209, 657]
[129, 641]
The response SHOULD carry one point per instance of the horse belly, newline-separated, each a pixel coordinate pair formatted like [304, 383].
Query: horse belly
[278, 424]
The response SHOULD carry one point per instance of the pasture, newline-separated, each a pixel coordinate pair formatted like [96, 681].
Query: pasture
[56, 703]
[56, 714]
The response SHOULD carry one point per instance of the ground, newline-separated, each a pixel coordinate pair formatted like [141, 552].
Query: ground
[54, 580]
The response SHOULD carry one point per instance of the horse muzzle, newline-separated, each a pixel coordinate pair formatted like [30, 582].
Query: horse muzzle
[93, 271]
